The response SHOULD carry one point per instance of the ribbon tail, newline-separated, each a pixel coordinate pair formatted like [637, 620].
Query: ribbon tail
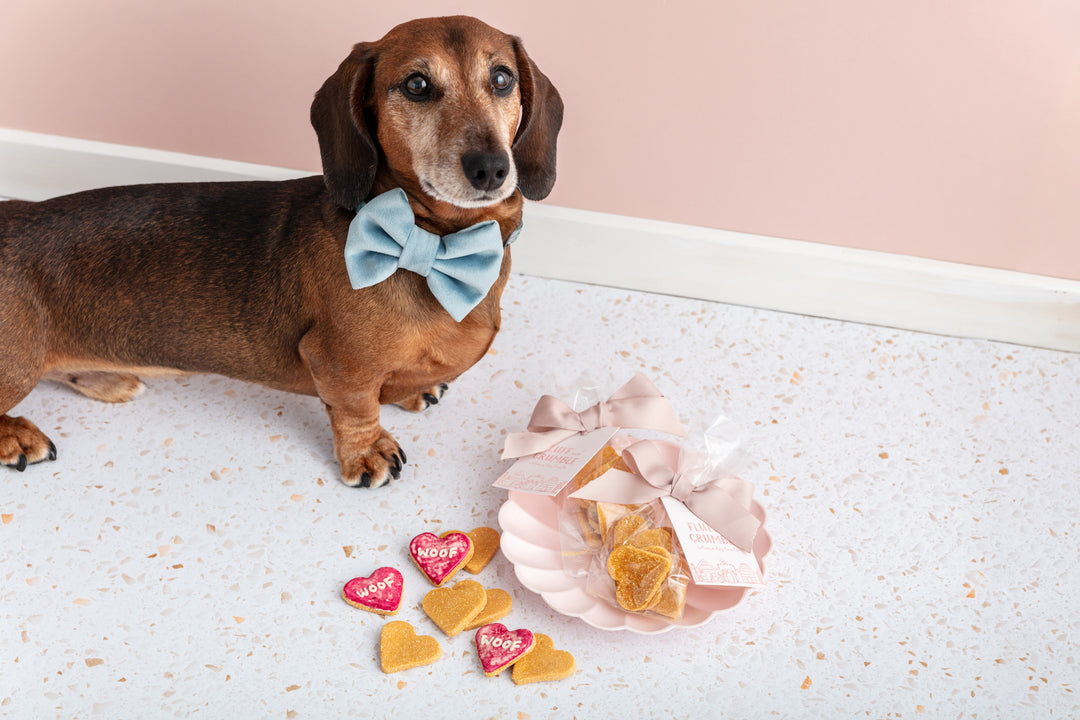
[639, 403]
[617, 486]
[637, 386]
[725, 515]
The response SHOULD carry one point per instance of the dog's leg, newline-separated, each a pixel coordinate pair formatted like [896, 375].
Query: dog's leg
[21, 356]
[369, 456]
[424, 399]
[105, 386]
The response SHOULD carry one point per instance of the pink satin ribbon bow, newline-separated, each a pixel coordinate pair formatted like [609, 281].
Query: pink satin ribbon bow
[661, 469]
[637, 404]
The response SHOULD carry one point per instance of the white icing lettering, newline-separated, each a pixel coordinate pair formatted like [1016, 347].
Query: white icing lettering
[498, 642]
[430, 553]
[374, 587]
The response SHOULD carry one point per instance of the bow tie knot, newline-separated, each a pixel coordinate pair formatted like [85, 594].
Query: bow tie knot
[460, 267]
[681, 487]
[597, 416]
[419, 251]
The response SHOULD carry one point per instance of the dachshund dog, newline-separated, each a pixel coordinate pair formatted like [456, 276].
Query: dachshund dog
[249, 280]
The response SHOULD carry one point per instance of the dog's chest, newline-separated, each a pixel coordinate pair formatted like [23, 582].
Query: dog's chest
[449, 350]
[439, 358]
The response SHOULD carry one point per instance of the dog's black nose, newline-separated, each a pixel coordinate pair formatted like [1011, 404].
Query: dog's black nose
[486, 170]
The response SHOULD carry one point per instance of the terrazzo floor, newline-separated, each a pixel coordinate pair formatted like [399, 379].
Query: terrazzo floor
[185, 554]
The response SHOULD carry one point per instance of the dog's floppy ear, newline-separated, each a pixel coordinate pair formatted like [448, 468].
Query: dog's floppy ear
[349, 157]
[541, 118]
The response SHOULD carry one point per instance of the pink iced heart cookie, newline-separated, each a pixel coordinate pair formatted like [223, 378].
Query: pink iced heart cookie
[439, 558]
[380, 593]
[500, 648]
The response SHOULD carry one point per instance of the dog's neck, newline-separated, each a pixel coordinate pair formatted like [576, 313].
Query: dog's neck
[443, 218]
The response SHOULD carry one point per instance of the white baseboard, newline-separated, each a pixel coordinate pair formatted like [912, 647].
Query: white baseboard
[36, 167]
[771, 273]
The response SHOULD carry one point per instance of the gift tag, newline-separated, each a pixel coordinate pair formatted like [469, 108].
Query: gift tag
[713, 560]
[548, 472]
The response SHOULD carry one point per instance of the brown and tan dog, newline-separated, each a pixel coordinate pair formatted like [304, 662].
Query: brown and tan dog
[248, 279]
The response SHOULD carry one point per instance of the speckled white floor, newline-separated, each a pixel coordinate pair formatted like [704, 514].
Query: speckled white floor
[185, 554]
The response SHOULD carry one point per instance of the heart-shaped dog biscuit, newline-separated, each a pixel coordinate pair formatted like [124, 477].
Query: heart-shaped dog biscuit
[400, 648]
[439, 558]
[485, 545]
[671, 599]
[497, 607]
[607, 514]
[605, 460]
[380, 593]
[639, 574]
[452, 608]
[500, 648]
[626, 527]
[660, 536]
[543, 663]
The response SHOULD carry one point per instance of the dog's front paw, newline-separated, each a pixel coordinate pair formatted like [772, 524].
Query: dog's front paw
[371, 466]
[22, 443]
[425, 398]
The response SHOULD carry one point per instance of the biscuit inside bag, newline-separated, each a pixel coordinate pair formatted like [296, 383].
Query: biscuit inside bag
[628, 553]
[579, 520]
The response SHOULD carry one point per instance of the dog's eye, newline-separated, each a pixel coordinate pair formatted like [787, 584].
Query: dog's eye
[416, 87]
[502, 80]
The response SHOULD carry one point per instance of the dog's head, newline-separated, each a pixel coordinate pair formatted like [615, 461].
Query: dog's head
[449, 107]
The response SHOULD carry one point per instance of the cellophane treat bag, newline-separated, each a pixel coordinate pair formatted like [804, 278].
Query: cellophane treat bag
[646, 518]
[628, 552]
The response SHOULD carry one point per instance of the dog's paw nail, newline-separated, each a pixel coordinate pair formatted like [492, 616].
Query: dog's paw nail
[395, 472]
[365, 480]
[20, 465]
[52, 451]
[444, 387]
[431, 399]
[401, 452]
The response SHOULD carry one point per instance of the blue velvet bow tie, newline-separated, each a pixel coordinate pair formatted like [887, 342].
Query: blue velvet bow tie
[460, 268]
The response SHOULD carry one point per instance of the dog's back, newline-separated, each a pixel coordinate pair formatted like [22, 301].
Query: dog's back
[211, 258]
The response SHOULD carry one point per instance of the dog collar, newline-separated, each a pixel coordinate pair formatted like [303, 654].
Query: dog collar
[460, 267]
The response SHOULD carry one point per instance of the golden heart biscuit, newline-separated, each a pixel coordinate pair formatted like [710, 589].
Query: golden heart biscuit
[596, 466]
[652, 537]
[485, 545]
[625, 528]
[453, 608]
[543, 663]
[586, 516]
[608, 514]
[671, 599]
[639, 574]
[497, 607]
[400, 648]
[587, 511]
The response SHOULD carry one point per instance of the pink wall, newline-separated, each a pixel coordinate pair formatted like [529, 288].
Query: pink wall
[943, 130]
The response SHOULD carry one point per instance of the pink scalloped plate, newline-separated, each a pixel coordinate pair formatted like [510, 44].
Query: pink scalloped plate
[530, 540]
